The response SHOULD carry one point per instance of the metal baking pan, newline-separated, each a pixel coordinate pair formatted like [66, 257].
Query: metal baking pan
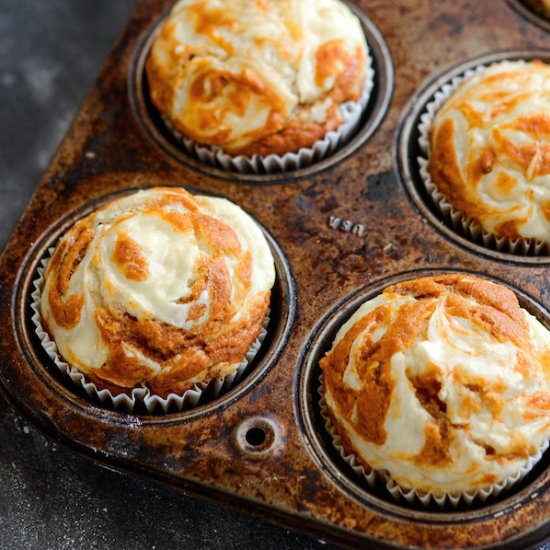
[340, 230]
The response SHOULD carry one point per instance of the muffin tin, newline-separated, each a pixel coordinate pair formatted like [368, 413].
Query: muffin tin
[409, 150]
[377, 106]
[527, 11]
[340, 230]
[139, 400]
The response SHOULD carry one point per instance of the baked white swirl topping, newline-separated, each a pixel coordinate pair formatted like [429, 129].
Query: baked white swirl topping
[257, 76]
[443, 382]
[159, 287]
[490, 149]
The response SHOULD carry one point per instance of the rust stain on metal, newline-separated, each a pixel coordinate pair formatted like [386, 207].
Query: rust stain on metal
[378, 233]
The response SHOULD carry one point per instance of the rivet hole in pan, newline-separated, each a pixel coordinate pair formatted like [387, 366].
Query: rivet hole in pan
[373, 116]
[407, 150]
[322, 450]
[283, 305]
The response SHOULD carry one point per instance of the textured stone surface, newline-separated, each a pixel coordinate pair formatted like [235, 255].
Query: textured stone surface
[50, 53]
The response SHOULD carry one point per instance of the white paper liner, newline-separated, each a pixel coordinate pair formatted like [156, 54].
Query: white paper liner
[412, 495]
[461, 223]
[142, 395]
[351, 112]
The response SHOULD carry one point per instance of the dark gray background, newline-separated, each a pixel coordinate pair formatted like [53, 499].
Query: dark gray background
[50, 53]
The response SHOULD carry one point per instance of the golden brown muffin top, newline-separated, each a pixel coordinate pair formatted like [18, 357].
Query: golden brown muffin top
[159, 287]
[443, 381]
[490, 149]
[261, 76]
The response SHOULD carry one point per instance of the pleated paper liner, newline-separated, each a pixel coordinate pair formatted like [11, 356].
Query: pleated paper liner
[376, 478]
[351, 112]
[133, 399]
[461, 223]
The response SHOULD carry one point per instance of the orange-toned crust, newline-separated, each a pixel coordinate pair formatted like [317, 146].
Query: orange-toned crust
[201, 355]
[209, 21]
[437, 435]
[207, 117]
[494, 308]
[539, 406]
[66, 307]
[291, 138]
[203, 120]
[532, 158]
[346, 442]
[445, 171]
[212, 348]
[280, 134]
[127, 257]
[514, 159]
[347, 70]
[436, 450]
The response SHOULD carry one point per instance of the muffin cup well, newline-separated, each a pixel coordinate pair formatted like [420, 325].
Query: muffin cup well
[412, 496]
[459, 221]
[132, 398]
[537, 8]
[351, 112]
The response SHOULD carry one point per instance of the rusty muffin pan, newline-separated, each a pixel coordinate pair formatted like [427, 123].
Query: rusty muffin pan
[526, 10]
[408, 151]
[371, 118]
[340, 230]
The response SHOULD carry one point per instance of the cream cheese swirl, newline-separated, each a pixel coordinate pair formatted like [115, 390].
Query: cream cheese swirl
[257, 76]
[490, 149]
[443, 382]
[159, 287]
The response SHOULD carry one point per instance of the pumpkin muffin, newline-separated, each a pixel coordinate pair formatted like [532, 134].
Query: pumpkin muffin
[490, 150]
[442, 383]
[257, 76]
[160, 288]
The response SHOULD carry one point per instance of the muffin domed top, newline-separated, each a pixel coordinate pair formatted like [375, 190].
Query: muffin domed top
[490, 149]
[257, 76]
[160, 287]
[444, 382]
